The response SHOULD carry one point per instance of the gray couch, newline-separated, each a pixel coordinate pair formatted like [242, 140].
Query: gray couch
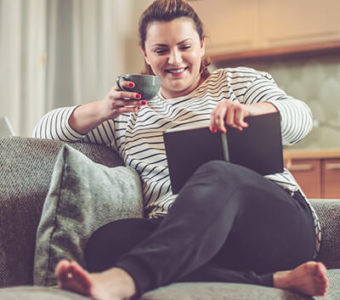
[26, 166]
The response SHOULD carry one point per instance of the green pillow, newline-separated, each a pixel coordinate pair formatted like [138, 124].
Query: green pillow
[82, 197]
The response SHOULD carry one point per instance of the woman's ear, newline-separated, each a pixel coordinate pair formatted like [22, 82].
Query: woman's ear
[145, 56]
[203, 47]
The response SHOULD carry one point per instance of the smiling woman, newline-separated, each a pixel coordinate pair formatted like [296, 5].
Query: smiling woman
[174, 52]
[228, 223]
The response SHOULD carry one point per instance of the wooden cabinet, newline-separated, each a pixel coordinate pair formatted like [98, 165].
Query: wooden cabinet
[330, 178]
[230, 25]
[292, 22]
[256, 25]
[316, 171]
[307, 173]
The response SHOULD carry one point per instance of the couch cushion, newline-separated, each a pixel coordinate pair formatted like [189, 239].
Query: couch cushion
[234, 291]
[38, 293]
[183, 291]
[328, 211]
[219, 291]
[26, 166]
[334, 286]
[83, 196]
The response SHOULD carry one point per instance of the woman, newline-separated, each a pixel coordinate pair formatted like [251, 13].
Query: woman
[228, 223]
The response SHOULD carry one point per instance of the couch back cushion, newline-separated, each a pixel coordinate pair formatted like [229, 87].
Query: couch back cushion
[328, 211]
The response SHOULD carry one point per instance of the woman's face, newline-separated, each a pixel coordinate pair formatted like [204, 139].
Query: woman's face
[174, 52]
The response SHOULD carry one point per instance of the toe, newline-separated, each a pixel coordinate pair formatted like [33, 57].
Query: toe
[61, 266]
[80, 275]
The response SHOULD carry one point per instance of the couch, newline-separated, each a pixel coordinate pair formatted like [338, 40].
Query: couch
[26, 166]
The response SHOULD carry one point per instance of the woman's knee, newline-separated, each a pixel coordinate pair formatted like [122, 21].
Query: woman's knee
[223, 184]
[211, 185]
[228, 174]
[222, 172]
[215, 166]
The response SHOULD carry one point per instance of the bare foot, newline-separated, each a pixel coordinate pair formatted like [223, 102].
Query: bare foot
[309, 278]
[114, 284]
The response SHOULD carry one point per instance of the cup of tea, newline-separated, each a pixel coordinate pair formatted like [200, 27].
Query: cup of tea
[146, 85]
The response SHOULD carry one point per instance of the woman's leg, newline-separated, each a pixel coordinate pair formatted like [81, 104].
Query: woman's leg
[111, 241]
[102, 251]
[115, 239]
[207, 212]
[271, 232]
[228, 214]
[309, 278]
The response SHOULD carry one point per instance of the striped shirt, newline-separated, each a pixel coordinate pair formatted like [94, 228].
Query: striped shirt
[138, 137]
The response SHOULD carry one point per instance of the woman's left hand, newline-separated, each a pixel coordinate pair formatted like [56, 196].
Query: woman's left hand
[233, 114]
[230, 113]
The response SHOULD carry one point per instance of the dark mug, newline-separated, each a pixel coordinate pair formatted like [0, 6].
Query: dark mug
[146, 85]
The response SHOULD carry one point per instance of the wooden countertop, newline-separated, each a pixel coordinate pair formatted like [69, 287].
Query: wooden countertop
[311, 153]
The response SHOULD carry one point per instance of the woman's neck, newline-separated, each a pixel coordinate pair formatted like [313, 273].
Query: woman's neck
[174, 94]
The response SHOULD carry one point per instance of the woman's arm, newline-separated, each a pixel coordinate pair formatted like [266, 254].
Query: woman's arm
[74, 123]
[54, 125]
[261, 96]
[296, 117]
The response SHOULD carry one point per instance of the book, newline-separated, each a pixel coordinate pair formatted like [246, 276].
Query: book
[257, 147]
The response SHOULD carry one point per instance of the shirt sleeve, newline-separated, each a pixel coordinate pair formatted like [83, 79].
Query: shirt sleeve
[296, 117]
[54, 125]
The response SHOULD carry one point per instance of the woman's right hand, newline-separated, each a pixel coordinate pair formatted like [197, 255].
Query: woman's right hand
[117, 102]
[88, 116]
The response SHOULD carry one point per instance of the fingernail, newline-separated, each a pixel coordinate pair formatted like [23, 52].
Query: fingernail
[138, 96]
[213, 130]
[131, 84]
[138, 107]
[143, 102]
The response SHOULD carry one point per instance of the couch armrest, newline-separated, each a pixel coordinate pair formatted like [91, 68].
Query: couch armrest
[26, 166]
[328, 211]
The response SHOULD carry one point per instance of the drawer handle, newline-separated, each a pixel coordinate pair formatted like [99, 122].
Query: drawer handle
[302, 167]
[332, 166]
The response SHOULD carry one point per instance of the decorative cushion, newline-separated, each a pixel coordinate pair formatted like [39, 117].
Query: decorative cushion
[82, 197]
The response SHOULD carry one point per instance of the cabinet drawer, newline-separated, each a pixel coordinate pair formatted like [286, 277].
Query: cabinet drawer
[307, 174]
[330, 178]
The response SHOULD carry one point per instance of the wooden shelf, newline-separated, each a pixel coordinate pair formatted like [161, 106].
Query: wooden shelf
[300, 51]
[311, 154]
[316, 170]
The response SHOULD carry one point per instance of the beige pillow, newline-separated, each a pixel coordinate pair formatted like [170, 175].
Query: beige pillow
[83, 196]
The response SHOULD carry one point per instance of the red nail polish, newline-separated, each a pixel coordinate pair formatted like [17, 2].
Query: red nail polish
[138, 96]
[131, 85]
[213, 130]
[138, 107]
[143, 102]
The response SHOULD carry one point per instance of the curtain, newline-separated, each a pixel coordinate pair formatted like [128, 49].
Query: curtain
[22, 61]
[57, 53]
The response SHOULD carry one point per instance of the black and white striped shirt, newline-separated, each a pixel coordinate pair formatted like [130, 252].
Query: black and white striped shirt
[138, 137]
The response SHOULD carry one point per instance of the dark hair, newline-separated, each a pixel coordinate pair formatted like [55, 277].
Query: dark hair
[165, 11]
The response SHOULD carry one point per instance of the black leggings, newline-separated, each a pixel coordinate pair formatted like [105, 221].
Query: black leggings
[228, 224]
